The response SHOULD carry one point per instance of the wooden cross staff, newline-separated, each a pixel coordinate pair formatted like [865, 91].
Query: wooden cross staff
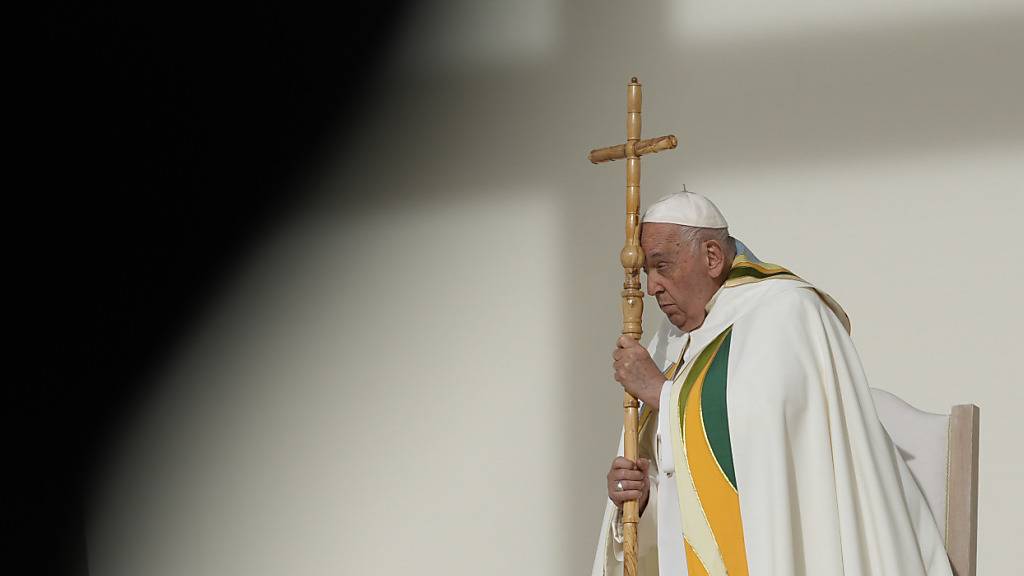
[632, 259]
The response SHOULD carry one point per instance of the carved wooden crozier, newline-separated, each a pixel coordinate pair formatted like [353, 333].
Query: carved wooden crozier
[632, 259]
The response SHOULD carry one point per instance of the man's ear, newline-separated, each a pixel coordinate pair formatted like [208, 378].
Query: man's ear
[715, 255]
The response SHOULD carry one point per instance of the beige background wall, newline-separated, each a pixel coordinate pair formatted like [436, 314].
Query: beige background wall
[427, 369]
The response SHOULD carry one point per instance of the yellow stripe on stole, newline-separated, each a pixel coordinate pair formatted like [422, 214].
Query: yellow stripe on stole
[763, 267]
[718, 498]
[697, 534]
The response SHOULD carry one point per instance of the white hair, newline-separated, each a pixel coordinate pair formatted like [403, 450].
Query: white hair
[696, 237]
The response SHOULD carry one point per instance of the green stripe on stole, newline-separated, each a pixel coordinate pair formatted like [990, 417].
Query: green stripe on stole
[745, 270]
[714, 409]
[712, 527]
[705, 356]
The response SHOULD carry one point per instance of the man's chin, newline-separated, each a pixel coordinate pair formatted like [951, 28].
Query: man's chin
[677, 320]
[680, 322]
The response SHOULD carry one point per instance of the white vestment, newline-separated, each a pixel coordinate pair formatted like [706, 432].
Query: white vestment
[822, 489]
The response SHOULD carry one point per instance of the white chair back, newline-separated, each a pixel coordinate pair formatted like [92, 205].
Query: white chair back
[941, 451]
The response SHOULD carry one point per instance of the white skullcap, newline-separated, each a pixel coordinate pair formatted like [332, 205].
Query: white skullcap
[685, 209]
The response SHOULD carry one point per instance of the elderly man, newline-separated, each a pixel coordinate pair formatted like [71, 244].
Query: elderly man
[760, 449]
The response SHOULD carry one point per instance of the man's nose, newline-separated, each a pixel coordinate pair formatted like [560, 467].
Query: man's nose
[653, 288]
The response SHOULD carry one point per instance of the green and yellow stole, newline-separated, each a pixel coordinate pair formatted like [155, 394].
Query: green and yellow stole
[705, 476]
[708, 494]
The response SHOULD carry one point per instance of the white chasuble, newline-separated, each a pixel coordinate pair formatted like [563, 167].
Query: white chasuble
[769, 458]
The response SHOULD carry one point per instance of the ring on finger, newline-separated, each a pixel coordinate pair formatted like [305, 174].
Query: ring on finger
[618, 486]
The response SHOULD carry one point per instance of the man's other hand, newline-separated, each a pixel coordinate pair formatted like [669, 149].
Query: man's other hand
[637, 373]
[636, 485]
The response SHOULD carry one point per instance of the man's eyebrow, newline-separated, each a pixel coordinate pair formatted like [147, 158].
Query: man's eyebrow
[654, 254]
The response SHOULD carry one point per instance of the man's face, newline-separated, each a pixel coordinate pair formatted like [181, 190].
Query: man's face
[677, 276]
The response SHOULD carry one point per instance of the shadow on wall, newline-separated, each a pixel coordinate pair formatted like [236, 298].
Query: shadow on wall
[736, 103]
[897, 90]
[442, 135]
